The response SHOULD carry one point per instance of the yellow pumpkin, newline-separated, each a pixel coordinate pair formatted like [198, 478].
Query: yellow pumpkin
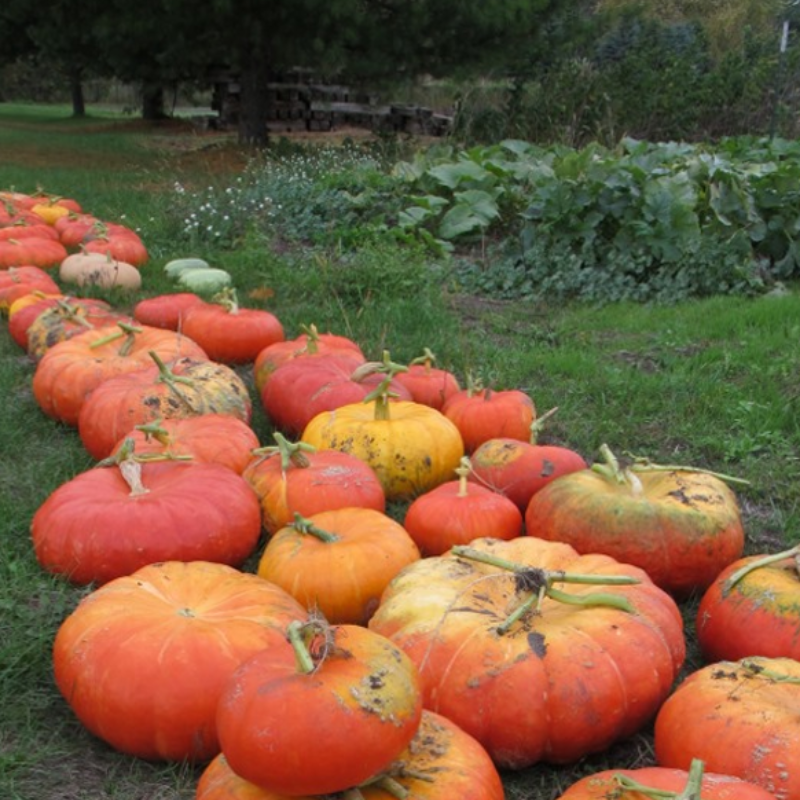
[411, 447]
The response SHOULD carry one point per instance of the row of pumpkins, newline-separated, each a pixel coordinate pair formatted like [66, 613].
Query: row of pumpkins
[525, 611]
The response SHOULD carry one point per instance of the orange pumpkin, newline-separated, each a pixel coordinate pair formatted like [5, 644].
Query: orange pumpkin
[442, 762]
[143, 660]
[338, 561]
[531, 676]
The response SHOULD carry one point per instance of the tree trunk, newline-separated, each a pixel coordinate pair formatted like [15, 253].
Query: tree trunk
[76, 91]
[153, 101]
[254, 99]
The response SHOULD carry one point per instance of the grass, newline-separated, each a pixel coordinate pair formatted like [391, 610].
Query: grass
[710, 383]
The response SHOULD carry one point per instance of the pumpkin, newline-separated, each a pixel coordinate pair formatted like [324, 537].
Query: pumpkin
[331, 709]
[441, 762]
[231, 334]
[535, 671]
[119, 243]
[24, 230]
[184, 388]
[173, 268]
[213, 438]
[24, 310]
[682, 526]
[481, 414]
[411, 447]
[752, 609]
[116, 518]
[165, 310]
[457, 512]
[339, 561]
[70, 370]
[104, 272]
[519, 469]
[740, 718]
[294, 477]
[429, 385]
[74, 228]
[647, 783]
[68, 317]
[310, 343]
[143, 660]
[16, 282]
[36, 251]
[302, 388]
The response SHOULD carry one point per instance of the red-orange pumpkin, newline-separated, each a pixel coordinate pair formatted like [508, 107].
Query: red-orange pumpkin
[165, 310]
[457, 512]
[441, 763]
[740, 718]
[112, 520]
[428, 385]
[647, 783]
[212, 438]
[142, 661]
[481, 414]
[293, 477]
[229, 333]
[681, 526]
[529, 676]
[18, 281]
[752, 609]
[37, 251]
[322, 714]
[70, 370]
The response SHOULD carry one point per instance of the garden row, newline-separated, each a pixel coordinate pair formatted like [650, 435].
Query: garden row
[525, 610]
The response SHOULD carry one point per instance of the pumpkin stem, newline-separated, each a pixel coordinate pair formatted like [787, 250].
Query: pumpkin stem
[304, 525]
[165, 375]
[71, 312]
[227, 299]
[538, 424]
[612, 470]
[292, 453]
[296, 634]
[126, 330]
[691, 791]
[312, 641]
[312, 338]
[539, 583]
[381, 394]
[155, 431]
[642, 464]
[463, 470]
[474, 384]
[758, 669]
[735, 577]
[427, 359]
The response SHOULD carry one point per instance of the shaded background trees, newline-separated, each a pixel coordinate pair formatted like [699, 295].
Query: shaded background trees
[566, 70]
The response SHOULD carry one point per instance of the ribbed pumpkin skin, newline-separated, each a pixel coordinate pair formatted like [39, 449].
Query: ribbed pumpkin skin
[441, 763]
[519, 469]
[232, 338]
[561, 683]
[70, 370]
[303, 346]
[329, 479]
[302, 388]
[413, 451]
[682, 528]
[118, 404]
[759, 615]
[212, 438]
[740, 718]
[603, 785]
[487, 414]
[362, 701]
[94, 529]
[429, 385]
[444, 517]
[344, 578]
[143, 660]
[165, 310]
[18, 281]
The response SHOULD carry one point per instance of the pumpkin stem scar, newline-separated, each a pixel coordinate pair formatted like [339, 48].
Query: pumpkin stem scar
[542, 586]
[735, 577]
[689, 792]
[757, 669]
